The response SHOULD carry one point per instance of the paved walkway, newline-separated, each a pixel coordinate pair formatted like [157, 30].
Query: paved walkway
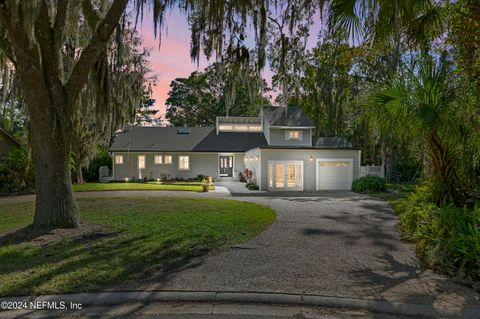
[344, 246]
[236, 187]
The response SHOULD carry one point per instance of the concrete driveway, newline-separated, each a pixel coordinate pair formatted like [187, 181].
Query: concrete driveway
[335, 244]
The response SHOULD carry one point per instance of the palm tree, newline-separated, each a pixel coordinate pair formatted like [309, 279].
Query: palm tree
[419, 105]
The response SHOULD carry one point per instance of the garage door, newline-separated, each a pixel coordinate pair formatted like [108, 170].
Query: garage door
[334, 174]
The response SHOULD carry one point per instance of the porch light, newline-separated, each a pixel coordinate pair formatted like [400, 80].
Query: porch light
[257, 158]
[311, 158]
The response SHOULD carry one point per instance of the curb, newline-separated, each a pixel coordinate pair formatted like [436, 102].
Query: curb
[375, 306]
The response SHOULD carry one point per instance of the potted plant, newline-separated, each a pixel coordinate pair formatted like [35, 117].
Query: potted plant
[206, 184]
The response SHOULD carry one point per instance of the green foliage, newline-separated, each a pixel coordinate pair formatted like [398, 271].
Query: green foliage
[200, 98]
[446, 238]
[102, 158]
[138, 237]
[16, 173]
[252, 186]
[369, 184]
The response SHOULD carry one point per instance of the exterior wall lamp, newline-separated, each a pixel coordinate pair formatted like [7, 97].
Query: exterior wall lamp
[311, 158]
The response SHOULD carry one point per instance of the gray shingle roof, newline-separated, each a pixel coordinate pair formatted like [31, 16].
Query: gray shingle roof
[332, 142]
[200, 139]
[295, 116]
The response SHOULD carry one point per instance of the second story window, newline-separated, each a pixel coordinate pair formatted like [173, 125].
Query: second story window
[293, 135]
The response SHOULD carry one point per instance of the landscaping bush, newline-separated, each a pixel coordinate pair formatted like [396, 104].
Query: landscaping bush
[102, 158]
[446, 238]
[17, 175]
[252, 186]
[369, 184]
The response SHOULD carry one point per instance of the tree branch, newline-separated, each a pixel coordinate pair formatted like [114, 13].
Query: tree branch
[6, 48]
[60, 23]
[90, 54]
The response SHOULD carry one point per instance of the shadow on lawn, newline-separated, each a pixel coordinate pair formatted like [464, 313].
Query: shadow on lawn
[92, 264]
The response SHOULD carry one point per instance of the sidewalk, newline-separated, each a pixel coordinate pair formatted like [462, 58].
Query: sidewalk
[219, 304]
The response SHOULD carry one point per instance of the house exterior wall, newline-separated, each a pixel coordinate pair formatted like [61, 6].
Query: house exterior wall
[277, 137]
[266, 130]
[310, 169]
[238, 166]
[200, 163]
[254, 164]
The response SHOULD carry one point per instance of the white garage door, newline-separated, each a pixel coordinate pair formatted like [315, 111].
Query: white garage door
[334, 174]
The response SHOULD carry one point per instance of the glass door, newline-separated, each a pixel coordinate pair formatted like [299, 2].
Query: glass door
[285, 175]
[279, 175]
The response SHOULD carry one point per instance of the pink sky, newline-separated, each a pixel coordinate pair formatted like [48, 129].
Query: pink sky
[172, 60]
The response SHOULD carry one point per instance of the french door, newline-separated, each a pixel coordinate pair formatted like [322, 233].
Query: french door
[285, 175]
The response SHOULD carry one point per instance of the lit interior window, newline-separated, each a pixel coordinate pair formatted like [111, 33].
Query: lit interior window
[141, 161]
[168, 159]
[118, 159]
[293, 135]
[158, 159]
[183, 163]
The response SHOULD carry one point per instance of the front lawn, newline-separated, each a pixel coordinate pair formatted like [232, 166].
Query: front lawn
[165, 186]
[120, 240]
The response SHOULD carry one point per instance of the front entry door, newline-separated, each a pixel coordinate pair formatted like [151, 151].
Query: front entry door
[226, 166]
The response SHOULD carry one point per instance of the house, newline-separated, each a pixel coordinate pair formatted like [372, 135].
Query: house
[278, 146]
[7, 144]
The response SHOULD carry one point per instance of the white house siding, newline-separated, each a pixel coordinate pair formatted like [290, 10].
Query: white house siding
[277, 137]
[238, 166]
[254, 164]
[200, 163]
[266, 130]
[310, 172]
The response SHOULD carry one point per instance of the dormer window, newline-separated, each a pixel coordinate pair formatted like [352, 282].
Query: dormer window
[293, 135]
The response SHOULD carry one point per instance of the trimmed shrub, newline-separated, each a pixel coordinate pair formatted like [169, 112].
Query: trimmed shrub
[369, 184]
[252, 186]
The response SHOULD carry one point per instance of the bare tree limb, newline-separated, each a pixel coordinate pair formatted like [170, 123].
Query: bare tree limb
[90, 54]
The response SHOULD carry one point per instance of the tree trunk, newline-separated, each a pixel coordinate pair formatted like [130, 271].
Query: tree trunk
[55, 206]
[79, 174]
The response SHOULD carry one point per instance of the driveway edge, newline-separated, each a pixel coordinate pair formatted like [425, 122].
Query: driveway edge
[375, 306]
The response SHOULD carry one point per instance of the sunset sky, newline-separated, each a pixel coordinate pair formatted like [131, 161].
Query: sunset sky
[172, 60]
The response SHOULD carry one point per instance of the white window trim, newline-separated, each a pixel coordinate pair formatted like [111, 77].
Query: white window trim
[288, 138]
[165, 159]
[144, 162]
[156, 157]
[121, 162]
[180, 162]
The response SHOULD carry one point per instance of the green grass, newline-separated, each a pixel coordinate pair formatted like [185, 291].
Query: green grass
[143, 236]
[168, 186]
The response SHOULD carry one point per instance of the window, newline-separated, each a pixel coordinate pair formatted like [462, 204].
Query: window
[141, 161]
[294, 135]
[168, 159]
[183, 163]
[158, 159]
[118, 159]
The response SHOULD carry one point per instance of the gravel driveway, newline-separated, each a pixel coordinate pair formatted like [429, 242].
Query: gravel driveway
[339, 244]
